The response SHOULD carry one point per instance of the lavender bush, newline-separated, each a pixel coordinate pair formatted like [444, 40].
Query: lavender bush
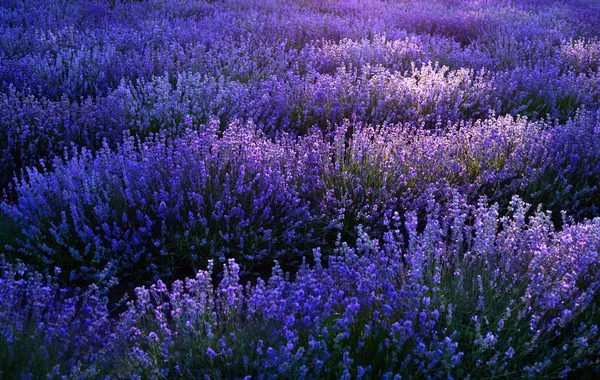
[164, 204]
[571, 180]
[457, 299]
[299, 189]
[47, 330]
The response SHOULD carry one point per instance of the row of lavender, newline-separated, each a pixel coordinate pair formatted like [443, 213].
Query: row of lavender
[455, 300]
[151, 208]
[405, 239]
[80, 72]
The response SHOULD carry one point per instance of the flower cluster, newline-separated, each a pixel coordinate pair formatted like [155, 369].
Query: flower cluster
[161, 205]
[456, 299]
[46, 330]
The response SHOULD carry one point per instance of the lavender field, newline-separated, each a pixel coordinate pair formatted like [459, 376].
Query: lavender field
[262, 189]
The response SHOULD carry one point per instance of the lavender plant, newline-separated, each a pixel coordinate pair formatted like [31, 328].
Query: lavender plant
[457, 299]
[50, 331]
[498, 296]
[570, 182]
[162, 205]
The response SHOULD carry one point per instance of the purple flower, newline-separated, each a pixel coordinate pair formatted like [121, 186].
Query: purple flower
[211, 353]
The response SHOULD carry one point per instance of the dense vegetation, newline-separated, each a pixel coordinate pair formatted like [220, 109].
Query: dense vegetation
[299, 188]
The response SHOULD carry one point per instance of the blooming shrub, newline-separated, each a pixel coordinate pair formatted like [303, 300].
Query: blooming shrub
[138, 208]
[571, 180]
[46, 330]
[163, 205]
[457, 299]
